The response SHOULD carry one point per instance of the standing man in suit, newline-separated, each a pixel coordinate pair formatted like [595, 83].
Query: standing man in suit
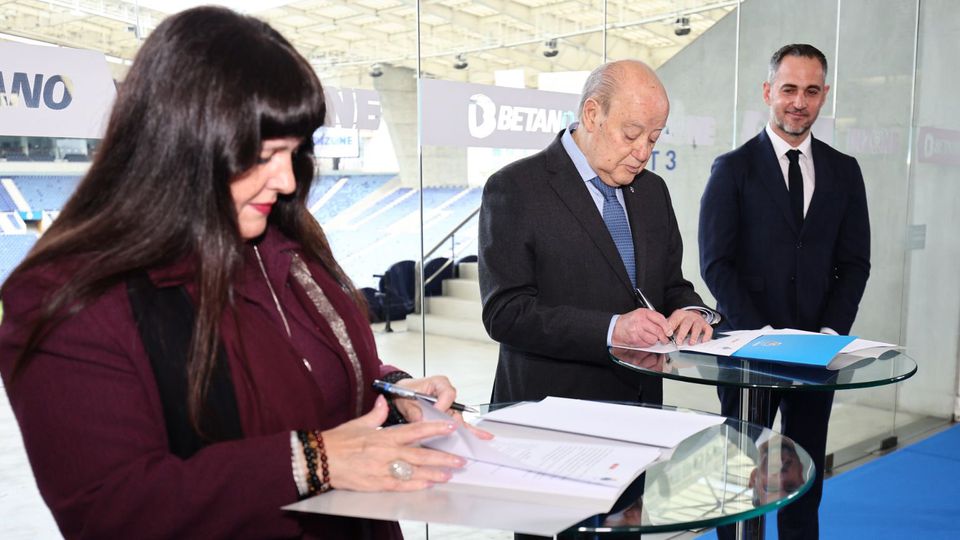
[579, 249]
[785, 241]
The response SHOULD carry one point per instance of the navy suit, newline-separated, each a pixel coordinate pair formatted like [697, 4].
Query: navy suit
[766, 269]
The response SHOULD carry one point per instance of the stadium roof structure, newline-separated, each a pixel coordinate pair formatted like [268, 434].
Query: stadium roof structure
[344, 38]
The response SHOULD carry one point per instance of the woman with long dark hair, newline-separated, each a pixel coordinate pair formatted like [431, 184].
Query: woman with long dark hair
[183, 353]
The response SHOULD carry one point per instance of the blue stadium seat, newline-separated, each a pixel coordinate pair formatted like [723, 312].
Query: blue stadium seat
[13, 248]
[46, 192]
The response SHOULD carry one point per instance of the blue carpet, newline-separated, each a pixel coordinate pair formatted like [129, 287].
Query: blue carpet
[910, 493]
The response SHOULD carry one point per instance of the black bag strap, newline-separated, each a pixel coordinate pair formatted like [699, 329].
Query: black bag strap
[165, 318]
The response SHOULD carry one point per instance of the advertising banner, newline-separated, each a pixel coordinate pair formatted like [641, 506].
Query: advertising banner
[464, 114]
[336, 142]
[353, 108]
[53, 92]
[940, 146]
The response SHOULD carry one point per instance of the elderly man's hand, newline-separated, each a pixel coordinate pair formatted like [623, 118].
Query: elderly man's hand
[640, 328]
[688, 324]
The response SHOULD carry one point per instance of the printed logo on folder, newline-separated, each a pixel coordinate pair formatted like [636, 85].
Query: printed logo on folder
[803, 349]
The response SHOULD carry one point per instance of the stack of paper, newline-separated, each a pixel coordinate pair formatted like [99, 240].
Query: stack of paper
[551, 465]
[784, 345]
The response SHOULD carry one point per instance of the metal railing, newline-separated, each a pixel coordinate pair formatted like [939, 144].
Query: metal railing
[455, 251]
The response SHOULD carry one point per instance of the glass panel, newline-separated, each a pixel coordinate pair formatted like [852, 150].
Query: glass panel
[485, 69]
[931, 291]
[872, 92]
[694, 53]
[499, 82]
[368, 196]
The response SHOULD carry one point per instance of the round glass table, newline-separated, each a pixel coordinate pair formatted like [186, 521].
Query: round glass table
[725, 473]
[866, 368]
[721, 475]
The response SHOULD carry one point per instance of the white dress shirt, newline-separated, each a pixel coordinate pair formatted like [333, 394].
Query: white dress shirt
[781, 147]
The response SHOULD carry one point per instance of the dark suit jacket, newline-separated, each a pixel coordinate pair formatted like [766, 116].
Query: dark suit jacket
[759, 266]
[552, 278]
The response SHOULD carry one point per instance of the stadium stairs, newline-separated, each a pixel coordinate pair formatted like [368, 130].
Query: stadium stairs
[456, 313]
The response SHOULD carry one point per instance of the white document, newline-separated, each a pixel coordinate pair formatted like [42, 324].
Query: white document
[863, 344]
[486, 479]
[487, 495]
[641, 425]
[592, 462]
[735, 339]
[723, 346]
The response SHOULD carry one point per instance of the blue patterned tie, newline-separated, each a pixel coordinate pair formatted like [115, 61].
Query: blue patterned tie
[616, 220]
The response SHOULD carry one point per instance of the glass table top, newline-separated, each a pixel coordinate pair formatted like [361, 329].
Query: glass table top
[721, 475]
[866, 368]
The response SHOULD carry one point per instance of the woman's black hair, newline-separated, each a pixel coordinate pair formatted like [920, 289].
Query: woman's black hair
[207, 87]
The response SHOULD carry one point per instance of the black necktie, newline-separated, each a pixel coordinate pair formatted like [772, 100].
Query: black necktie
[795, 181]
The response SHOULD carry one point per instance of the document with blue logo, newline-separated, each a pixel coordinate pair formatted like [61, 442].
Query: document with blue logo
[802, 349]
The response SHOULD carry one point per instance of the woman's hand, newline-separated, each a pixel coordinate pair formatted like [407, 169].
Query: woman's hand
[439, 387]
[360, 455]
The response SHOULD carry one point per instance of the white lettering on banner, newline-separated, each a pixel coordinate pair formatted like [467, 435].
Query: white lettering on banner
[941, 146]
[874, 141]
[481, 116]
[484, 117]
[354, 108]
[933, 146]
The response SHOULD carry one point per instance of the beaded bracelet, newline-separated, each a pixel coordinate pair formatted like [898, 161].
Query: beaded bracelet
[313, 449]
[324, 466]
[298, 463]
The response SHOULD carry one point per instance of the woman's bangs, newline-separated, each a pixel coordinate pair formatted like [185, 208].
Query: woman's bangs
[290, 101]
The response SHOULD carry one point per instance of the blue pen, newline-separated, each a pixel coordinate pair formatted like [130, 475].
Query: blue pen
[400, 392]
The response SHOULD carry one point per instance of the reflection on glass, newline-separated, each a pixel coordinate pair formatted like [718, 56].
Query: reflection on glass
[630, 516]
[779, 472]
[643, 359]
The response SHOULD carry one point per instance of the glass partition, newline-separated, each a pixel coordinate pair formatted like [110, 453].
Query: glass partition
[695, 54]
[872, 110]
[930, 312]
[429, 99]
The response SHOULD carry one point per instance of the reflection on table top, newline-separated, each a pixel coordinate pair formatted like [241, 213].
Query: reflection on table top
[721, 475]
[883, 366]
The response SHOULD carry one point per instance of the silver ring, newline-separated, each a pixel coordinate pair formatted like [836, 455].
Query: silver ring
[401, 470]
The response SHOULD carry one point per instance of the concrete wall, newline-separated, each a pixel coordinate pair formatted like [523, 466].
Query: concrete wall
[442, 166]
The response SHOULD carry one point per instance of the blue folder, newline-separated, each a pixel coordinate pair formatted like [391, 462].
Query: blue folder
[803, 349]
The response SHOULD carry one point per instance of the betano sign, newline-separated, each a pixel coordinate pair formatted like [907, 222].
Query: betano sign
[462, 114]
[53, 92]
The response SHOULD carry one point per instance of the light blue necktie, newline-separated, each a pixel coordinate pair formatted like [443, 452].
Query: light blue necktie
[616, 221]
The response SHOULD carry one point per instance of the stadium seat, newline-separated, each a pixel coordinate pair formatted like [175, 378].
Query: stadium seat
[435, 287]
[398, 289]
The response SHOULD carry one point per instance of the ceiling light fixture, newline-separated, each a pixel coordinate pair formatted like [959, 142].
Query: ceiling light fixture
[550, 48]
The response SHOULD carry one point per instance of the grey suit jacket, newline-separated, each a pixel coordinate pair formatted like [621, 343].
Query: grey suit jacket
[551, 278]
